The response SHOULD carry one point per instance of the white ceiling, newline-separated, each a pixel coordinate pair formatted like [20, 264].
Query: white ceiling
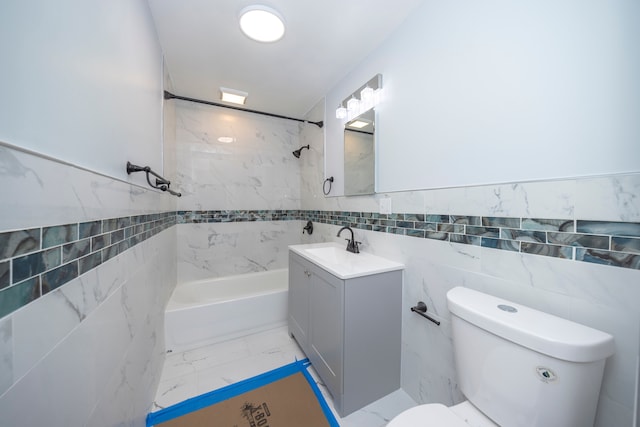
[324, 39]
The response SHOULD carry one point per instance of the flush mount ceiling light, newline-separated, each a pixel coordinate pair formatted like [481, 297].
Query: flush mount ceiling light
[261, 23]
[232, 95]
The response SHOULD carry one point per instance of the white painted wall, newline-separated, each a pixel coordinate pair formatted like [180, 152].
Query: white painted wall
[494, 92]
[82, 81]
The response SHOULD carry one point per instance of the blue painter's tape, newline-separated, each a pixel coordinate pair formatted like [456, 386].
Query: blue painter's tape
[323, 403]
[216, 396]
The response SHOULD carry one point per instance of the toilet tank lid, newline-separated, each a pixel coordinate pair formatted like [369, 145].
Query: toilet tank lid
[539, 331]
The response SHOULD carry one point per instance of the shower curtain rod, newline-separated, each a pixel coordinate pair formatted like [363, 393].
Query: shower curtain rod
[169, 95]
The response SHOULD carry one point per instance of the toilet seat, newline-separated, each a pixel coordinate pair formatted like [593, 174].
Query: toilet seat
[429, 415]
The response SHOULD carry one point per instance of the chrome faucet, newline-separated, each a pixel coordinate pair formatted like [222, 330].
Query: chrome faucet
[352, 245]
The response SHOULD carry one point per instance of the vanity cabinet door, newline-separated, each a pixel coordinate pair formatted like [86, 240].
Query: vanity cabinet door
[299, 281]
[326, 329]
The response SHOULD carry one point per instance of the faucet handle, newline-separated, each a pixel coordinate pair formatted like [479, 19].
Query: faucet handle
[356, 249]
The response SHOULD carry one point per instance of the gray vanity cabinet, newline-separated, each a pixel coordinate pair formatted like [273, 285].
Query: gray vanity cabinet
[299, 279]
[349, 329]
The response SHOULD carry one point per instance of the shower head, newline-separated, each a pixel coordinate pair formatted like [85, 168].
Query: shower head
[299, 150]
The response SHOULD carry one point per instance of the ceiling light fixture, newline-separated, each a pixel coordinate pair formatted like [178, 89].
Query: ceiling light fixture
[232, 95]
[262, 23]
[358, 124]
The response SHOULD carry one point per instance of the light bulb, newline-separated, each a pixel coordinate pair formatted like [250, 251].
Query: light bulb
[377, 96]
[366, 95]
[353, 105]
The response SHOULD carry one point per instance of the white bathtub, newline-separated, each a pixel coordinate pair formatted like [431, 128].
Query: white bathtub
[209, 311]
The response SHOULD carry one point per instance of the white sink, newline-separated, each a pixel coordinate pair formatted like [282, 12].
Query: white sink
[331, 254]
[334, 258]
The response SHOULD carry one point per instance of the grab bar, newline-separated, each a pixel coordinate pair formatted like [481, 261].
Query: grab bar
[161, 183]
[421, 309]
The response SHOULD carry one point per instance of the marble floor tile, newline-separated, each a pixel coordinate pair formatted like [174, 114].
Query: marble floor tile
[194, 372]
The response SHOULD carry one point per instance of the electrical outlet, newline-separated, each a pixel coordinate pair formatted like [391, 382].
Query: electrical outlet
[385, 205]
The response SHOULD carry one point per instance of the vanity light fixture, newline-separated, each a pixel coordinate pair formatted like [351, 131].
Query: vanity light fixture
[261, 23]
[232, 95]
[370, 95]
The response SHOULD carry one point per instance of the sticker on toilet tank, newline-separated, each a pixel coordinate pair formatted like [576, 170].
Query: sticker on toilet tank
[545, 374]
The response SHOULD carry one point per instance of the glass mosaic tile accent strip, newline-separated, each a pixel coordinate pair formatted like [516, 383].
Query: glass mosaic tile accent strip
[38, 260]
[603, 242]
[35, 261]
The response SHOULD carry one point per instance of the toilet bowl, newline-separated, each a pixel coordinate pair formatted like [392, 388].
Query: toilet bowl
[436, 415]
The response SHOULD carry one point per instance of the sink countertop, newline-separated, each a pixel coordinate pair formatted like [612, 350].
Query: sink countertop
[335, 258]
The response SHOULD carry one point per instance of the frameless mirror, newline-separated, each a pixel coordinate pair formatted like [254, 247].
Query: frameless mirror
[359, 155]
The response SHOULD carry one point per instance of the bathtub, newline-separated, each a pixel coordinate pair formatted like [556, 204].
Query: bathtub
[208, 311]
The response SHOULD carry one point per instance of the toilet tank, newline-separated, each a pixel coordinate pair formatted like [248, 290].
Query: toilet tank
[523, 367]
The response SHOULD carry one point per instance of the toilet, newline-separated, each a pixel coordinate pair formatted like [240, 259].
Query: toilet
[517, 367]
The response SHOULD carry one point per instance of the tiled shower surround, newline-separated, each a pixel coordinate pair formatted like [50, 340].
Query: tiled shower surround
[38, 260]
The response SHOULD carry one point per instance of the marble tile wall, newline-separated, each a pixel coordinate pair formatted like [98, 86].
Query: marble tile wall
[595, 294]
[207, 250]
[36, 261]
[256, 170]
[256, 173]
[599, 296]
[602, 242]
[612, 243]
[88, 347]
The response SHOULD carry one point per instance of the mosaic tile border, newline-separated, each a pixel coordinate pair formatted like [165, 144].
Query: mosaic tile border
[194, 217]
[38, 260]
[610, 243]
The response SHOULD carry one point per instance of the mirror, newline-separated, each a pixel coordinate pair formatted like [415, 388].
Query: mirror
[359, 155]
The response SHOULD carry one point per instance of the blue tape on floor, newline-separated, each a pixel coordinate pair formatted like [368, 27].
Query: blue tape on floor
[216, 396]
[323, 403]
